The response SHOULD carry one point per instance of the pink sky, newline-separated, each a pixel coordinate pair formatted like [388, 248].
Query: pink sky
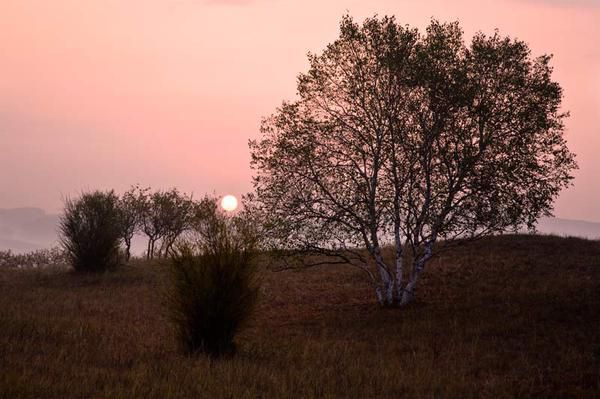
[108, 93]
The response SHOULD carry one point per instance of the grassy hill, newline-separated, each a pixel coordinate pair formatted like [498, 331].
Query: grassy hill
[504, 317]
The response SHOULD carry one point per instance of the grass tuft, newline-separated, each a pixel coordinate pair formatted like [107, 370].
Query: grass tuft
[213, 293]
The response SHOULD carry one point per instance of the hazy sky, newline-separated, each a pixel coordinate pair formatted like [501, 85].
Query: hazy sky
[105, 94]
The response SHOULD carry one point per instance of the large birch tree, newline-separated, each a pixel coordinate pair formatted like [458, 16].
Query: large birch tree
[404, 138]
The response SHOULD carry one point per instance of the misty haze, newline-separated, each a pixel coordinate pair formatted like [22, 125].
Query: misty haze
[28, 229]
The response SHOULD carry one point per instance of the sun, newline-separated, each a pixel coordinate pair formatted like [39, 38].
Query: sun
[229, 203]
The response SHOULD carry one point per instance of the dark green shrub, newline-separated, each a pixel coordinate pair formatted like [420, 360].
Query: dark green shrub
[90, 231]
[214, 289]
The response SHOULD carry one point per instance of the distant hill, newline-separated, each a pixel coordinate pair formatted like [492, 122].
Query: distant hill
[17, 246]
[28, 229]
[568, 227]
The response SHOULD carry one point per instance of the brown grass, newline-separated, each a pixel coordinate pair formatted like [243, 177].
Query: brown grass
[505, 317]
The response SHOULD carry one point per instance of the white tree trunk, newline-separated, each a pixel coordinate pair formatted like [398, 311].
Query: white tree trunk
[380, 296]
[399, 278]
[399, 269]
[385, 293]
[386, 288]
[408, 293]
[389, 288]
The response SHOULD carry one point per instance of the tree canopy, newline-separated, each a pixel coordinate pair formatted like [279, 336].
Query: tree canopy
[404, 138]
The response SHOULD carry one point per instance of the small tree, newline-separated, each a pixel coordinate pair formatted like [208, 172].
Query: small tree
[90, 231]
[131, 211]
[403, 139]
[176, 211]
[165, 216]
[214, 286]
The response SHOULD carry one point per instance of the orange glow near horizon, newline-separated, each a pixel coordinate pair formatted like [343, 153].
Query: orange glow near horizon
[105, 93]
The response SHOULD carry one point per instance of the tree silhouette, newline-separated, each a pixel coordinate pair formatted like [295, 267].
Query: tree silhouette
[401, 138]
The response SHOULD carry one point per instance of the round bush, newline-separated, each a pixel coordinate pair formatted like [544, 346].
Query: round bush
[90, 231]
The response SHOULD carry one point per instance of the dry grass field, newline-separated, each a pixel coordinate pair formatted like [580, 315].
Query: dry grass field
[504, 317]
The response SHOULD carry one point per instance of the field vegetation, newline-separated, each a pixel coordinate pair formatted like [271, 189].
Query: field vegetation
[502, 317]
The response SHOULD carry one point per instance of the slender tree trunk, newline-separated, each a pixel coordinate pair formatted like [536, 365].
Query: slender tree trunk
[385, 295]
[399, 277]
[168, 245]
[389, 292]
[127, 249]
[151, 245]
[399, 265]
[169, 248]
[160, 250]
[385, 292]
[385, 288]
[408, 294]
[379, 294]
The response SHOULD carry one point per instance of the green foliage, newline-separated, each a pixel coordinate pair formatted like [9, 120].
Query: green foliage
[90, 231]
[214, 288]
